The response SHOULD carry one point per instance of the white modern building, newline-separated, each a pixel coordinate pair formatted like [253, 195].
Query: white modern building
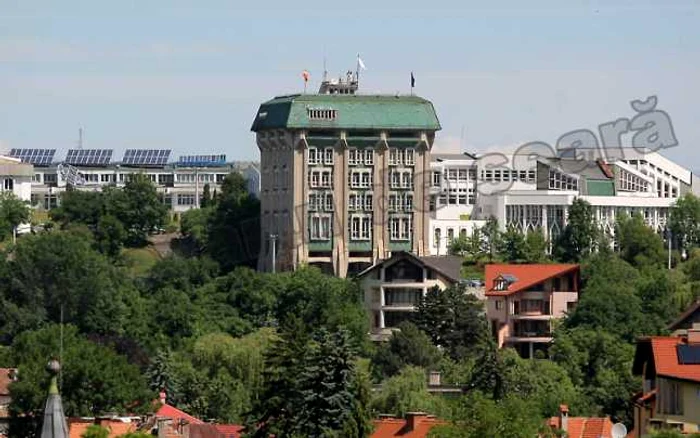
[181, 183]
[531, 191]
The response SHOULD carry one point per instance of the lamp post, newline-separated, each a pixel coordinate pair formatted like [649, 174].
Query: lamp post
[273, 239]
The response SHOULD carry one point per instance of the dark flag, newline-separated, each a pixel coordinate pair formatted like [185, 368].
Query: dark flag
[413, 80]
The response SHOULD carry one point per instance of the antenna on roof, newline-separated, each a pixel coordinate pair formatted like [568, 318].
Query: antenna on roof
[325, 70]
[80, 137]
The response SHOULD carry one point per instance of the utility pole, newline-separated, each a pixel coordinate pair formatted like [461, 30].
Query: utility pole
[273, 239]
[669, 249]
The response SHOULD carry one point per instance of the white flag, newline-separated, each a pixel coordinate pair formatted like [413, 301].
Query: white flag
[360, 63]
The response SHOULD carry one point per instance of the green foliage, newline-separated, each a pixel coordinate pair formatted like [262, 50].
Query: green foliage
[639, 245]
[536, 246]
[453, 320]
[194, 226]
[407, 346]
[94, 380]
[95, 431]
[13, 213]
[684, 221]
[580, 235]
[408, 392]
[109, 236]
[138, 206]
[478, 416]
[512, 246]
[311, 387]
[79, 207]
[601, 364]
[234, 228]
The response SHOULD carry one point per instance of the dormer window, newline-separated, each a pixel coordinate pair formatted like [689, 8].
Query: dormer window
[502, 282]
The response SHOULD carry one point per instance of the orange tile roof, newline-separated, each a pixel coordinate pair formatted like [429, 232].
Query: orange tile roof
[666, 359]
[5, 380]
[230, 430]
[527, 275]
[399, 427]
[585, 427]
[115, 427]
[167, 411]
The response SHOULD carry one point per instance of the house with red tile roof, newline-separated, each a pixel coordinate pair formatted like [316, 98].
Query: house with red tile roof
[670, 371]
[415, 425]
[115, 426]
[171, 422]
[581, 427]
[524, 299]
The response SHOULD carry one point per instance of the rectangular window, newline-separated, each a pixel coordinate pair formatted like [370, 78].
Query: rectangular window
[354, 227]
[352, 202]
[393, 157]
[326, 179]
[368, 202]
[366, 180]
[355, 179]
[352, 156]
[450, 234]
[312, 155]
[407, 180]
[328, 156]
[366, 231]
[409, 158]
[9, 184]
[369, 157]
[394, 226]
[395, 179]
[393, 205]
[312, 202]
[408, 202]
[315, 179]
[452, 174]
[436, 179]
[329, 201]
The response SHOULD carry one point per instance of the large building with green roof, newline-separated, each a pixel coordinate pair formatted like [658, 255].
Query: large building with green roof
[344, 177]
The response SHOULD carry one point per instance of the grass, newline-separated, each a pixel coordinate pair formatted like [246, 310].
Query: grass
[140, 260]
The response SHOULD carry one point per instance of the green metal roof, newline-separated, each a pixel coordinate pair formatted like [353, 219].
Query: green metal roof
[354, 111]
[600, 187]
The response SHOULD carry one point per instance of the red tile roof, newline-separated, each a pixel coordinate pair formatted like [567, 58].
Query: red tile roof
[116, 428]
[5, 380]
[167, 411]
[585, 427]
[399, 427]
[230, 430]
[526, 275]
[666, 359]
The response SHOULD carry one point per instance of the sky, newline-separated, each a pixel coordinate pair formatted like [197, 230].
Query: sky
[189, 75]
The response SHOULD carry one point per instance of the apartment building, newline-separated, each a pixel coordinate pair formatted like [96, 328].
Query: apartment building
[393, 287]
[345, 178]
[670, 372]
[523, 301]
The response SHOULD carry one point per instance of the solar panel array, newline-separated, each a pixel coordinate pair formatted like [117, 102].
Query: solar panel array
[37, 157]
[146, 157]
[202, 160]
[688, 354]
[89, 157]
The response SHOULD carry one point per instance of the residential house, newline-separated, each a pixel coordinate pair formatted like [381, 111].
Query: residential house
[670, 369]
[581, 427]
[393, 287]
[415, 425]
[691, 316]
[7, 376]
[524, 300]
[116, 426]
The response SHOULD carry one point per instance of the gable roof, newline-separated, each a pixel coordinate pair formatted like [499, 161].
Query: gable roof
[399, 427]
[167, 411]
[115, 427]
[448, 266]
[663, 351]
[585, 427]
[683, 318]
[525, 275]
[6, 379]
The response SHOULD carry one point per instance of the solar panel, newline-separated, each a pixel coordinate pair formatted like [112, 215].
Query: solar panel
[146, 157]
[202, 160]
[37, 157]
[89, 157]
[688, 354]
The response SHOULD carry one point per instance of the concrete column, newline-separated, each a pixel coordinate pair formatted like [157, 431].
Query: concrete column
[381, 320]
[532, 350]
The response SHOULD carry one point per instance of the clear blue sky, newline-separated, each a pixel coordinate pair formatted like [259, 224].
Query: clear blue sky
[188, 75]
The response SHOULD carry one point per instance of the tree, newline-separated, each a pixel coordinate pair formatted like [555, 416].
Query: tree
[492, 236]
[639, 245]
[138, 206]
[407, 346]
[234, 228]
[95, 431]
[535, 246]
[454, 320]
[79, 207]
[407, 392]
[206, 196]
[684, 221]
[94, 380]
[109, 236]
[309, 387]
[194, 227]
[512, 246]
[580, 234]
[13, 213]
[600, 363]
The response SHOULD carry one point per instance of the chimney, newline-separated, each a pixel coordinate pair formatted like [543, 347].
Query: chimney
[434, 378]
[162, 397]
[413, 419]
[564, 418]
[694, 333]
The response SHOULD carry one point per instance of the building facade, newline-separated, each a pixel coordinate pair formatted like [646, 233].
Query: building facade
[392, 288]
[523, 301]
[670, 372]
[343, 178]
